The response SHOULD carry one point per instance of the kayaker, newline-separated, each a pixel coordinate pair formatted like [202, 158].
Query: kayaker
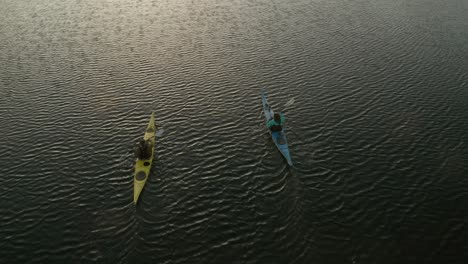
[276, 123]
[143, 149]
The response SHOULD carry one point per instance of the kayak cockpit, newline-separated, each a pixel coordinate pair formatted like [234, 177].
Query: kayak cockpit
[141, 175]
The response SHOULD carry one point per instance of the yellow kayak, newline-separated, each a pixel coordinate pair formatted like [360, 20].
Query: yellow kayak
[143, 167]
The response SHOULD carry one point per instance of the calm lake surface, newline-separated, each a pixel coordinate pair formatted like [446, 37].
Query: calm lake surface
[375, 93]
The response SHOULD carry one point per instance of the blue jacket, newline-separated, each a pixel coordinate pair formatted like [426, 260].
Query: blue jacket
[272, 122]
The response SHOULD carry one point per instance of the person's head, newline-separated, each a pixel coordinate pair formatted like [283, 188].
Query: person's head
[277, 117]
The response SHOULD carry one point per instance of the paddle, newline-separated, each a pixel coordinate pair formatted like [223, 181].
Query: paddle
[289, 103]
[160, 132]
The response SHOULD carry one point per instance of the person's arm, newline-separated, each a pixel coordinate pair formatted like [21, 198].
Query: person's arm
[283, 119]
[137, 151]
[270, 123]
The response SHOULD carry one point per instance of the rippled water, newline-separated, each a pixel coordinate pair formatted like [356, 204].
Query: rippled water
[377, 131]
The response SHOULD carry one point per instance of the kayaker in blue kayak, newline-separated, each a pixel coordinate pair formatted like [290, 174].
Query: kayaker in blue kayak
[277, 122]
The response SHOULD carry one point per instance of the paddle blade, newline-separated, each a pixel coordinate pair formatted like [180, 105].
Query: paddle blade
[160, 132]
[289, 103]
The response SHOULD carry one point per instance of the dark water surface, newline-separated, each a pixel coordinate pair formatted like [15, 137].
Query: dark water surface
[377, 131]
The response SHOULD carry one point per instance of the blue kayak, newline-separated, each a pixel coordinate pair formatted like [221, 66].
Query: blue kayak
[279, 137]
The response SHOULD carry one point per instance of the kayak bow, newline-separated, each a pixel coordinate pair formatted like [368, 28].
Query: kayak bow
[279, 137]
[143, 167]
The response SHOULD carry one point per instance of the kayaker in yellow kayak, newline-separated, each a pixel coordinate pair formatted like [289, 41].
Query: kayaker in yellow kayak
[277, 122]
[142, 149]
